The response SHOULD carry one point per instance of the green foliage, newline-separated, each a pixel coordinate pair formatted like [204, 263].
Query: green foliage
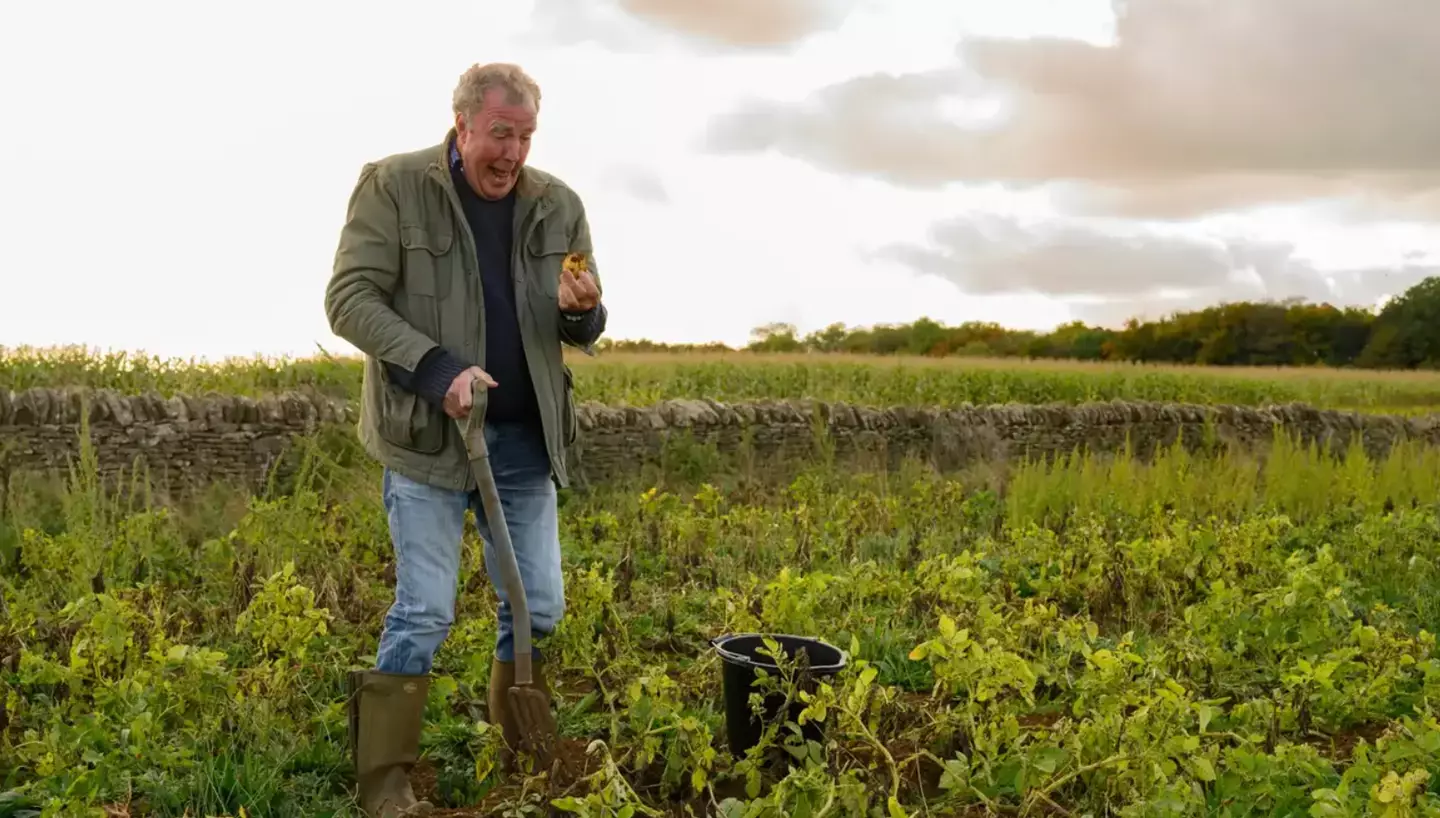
[1404, 335]
[1244, 333]
[644, 379]
[1195, 633]
[134, 373]
[1243, 353]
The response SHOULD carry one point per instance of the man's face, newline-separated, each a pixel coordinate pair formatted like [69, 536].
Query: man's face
[495, 143]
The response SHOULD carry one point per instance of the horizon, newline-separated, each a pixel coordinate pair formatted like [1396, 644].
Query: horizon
[1031, 165]
[639, 347]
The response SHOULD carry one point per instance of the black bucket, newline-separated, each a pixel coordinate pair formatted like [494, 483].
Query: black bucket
[741, 656]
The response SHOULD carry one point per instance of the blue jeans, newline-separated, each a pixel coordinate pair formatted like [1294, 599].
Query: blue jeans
[426, 526]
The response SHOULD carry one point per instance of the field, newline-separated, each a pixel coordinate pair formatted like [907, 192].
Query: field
[1248, 634]
[644, 378]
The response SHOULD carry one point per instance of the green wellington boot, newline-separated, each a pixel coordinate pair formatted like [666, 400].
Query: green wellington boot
[386, 712]
[502, 676]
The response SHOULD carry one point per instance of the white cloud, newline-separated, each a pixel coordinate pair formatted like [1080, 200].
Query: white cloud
[711, 26]
[174, 172]
[1195, 107]
[1112, 274]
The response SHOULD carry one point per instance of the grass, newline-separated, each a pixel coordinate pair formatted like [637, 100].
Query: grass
[1236, 634]
[645, 378]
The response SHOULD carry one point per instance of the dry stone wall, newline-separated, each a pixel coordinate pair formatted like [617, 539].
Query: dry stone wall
[180, 442]
[189, 441]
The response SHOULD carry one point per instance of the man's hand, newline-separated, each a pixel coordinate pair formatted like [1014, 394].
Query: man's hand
[460, 396]
[578, 291]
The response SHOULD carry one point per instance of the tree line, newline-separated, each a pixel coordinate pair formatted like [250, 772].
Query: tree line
[1404, 334]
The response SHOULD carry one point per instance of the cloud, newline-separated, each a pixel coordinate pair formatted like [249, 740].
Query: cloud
[576, 22]
[748, 23]
[637, 182]
[631, 25]
[1195, 107]
[1109, 277]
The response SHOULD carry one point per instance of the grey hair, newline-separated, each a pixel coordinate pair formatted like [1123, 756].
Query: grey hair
[479, 79]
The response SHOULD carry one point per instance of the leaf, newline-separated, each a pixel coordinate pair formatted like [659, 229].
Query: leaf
[1048, 759]
[892, 806]
[1202, 768]
[1205, 713]
[569, 803]
[15, 805]
[956, 772]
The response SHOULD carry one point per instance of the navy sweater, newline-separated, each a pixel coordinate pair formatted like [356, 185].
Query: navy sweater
[514, 399]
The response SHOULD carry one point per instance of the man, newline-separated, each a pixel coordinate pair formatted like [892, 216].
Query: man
[448, 272]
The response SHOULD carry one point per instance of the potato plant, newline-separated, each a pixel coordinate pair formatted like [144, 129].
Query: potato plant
[1224, 635]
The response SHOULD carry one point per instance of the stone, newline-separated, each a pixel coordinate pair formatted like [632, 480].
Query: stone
[188, 441]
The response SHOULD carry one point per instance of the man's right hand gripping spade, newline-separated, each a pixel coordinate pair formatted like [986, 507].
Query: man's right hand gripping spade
[460, 397]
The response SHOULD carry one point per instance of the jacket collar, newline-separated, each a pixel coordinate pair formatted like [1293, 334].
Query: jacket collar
[528, 187]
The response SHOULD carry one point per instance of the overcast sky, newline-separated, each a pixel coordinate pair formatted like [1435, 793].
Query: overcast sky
[172, 171]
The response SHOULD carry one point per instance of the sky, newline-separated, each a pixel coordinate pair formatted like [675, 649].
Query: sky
[175, 172]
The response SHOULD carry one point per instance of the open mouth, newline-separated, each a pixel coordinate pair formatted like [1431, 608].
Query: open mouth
[499, 176]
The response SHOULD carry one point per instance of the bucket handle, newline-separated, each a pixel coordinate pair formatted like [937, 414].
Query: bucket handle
[737, 658]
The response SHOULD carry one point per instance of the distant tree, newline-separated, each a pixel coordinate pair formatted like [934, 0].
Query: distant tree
[830, 339]
[927, 338]
[1073, 340]
[774, 337]
[1327, 335]
[1406, 334]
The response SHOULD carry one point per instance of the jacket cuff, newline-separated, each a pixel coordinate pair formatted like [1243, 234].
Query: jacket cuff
[583, 328]
[432, 377]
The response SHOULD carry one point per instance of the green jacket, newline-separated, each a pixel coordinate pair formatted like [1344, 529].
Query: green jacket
[405, 280]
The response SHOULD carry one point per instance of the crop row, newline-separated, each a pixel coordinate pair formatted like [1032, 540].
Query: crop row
[1222, 636]
[642, 379]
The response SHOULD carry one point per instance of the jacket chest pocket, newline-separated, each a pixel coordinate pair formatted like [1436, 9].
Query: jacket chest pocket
[427, 262]
[427, 271]
[546, 250]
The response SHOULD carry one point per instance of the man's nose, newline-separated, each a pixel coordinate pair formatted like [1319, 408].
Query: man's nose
[512, 150]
